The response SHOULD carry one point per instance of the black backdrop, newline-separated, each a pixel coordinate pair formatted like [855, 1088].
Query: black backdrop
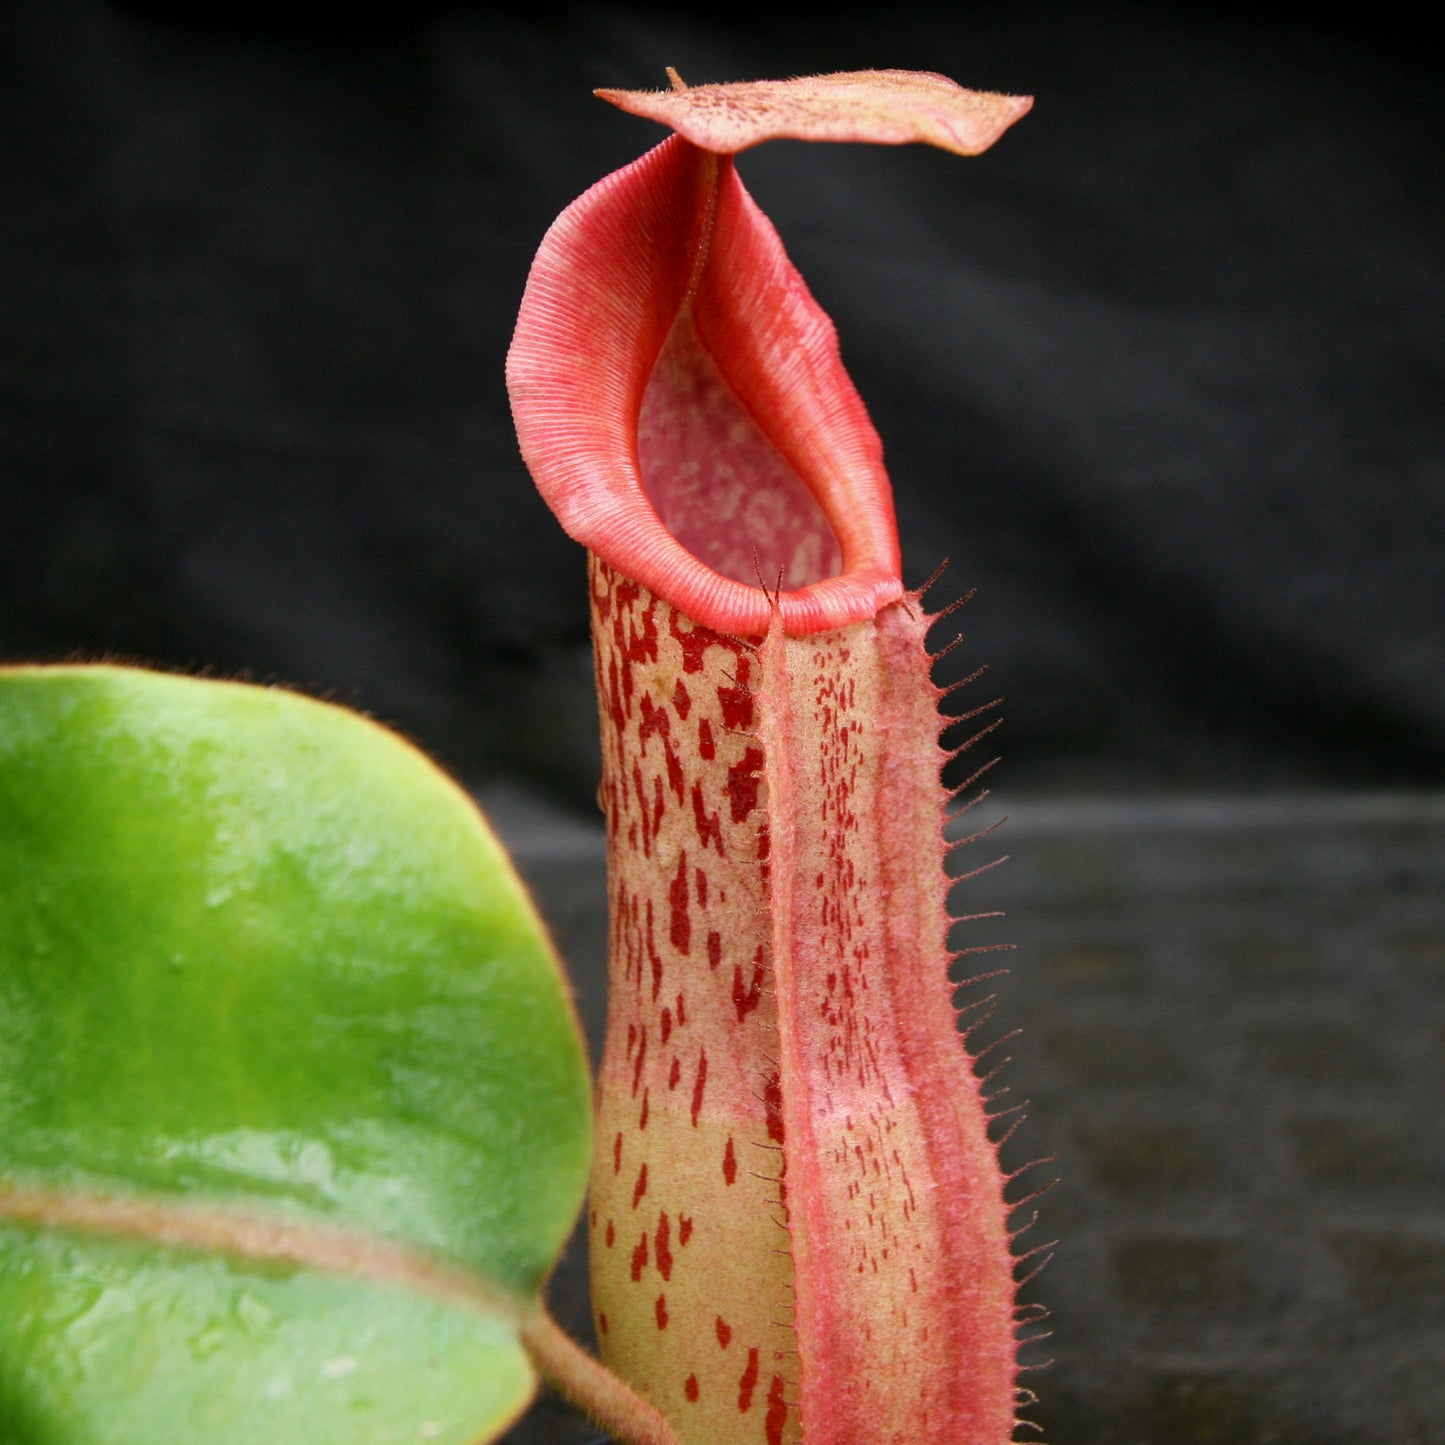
[1161, 373]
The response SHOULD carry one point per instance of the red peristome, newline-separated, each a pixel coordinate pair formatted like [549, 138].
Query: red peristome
[670, 260]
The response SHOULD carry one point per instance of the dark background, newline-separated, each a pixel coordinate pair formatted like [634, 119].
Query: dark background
[1161, 373]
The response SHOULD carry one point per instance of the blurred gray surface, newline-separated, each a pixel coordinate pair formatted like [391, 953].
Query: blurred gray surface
[1234, 1041]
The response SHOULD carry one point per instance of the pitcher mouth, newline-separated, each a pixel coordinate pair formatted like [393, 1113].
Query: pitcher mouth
[678, 394]
[683, 408]
[716, 480]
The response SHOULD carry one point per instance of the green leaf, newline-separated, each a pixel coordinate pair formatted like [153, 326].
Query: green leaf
[293, 1105]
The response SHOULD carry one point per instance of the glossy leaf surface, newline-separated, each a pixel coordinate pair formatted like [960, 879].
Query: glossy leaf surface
[293, 1108]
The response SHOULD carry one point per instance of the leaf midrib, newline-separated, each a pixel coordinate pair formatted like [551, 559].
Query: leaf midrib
[258, 1239]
